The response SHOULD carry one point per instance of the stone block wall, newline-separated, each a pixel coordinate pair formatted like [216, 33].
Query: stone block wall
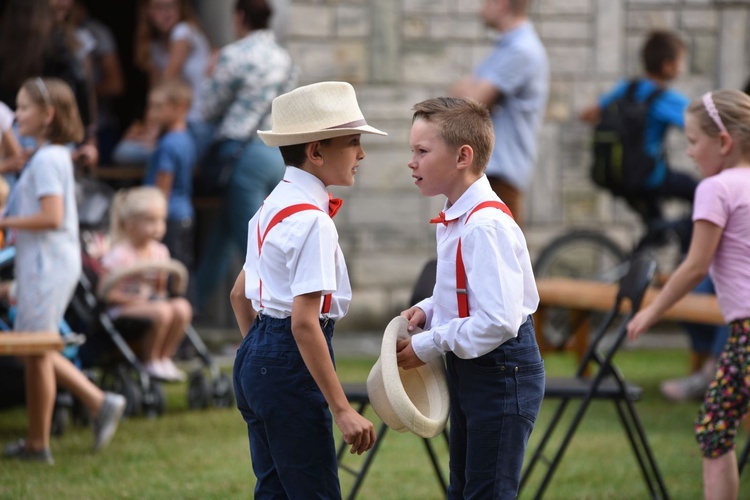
[398, 52]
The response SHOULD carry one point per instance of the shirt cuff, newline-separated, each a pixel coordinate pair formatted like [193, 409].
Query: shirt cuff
[424, 347]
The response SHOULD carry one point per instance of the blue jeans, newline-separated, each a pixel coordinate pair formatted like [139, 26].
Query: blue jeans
[495, 400]
[707, 339]
[289, 425]
[257, 171]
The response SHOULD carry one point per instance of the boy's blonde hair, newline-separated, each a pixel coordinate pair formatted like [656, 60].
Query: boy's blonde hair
[734, 110]
[176, 90]
[461, 122]
[129, 203]
[66, 124]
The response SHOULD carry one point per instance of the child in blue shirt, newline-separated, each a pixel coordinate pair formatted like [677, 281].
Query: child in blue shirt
[170, 166]
[663, 57]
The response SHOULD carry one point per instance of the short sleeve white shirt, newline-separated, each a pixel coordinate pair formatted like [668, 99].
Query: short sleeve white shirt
[500, 281]
[299, 255]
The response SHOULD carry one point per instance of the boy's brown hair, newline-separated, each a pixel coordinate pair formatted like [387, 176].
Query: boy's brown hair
[660, 47]
[176, 90]
[295, 155]
[54, 93]
[461, 122]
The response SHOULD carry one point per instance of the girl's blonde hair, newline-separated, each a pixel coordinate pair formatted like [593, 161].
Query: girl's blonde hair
[129, 203]
[145, 32]
[733, 107]
[66, 123]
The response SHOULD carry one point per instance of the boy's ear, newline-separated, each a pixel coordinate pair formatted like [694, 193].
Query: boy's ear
[465, 157]
[313, 153]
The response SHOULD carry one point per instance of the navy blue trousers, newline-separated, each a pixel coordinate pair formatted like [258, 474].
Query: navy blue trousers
[495, 400]
[289, 424]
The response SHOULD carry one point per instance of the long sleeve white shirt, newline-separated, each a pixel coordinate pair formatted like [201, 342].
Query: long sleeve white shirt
[500, 281]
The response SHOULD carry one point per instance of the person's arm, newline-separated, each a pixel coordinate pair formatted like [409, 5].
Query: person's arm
[705, 240]
[112, 82]
[591, 114]
[13, 155]
[164, 181]
[356, 430]
[241, 305]
[478, 89]
[179, 50]
[216, 92]
[49, 216]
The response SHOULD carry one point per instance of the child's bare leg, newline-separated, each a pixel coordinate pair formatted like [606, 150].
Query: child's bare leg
[72, 379]
[160, 314]
[182, 316]
[721, 479]
[40, 399]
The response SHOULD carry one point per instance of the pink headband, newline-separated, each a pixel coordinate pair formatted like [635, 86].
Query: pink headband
[708, 102]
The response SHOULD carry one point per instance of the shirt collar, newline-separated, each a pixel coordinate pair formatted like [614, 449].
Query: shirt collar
[309, 184]
[479, 191]
[516, 32]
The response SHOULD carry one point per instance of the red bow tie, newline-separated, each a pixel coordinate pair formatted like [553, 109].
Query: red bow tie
[333, 205]
[441, 219]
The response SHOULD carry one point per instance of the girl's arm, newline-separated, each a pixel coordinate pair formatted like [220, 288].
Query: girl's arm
[705, 240]
[179, 50]
[357, 430]
[49, 216]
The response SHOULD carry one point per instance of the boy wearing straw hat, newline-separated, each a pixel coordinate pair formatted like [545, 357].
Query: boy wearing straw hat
[479, 315]
[295, 278]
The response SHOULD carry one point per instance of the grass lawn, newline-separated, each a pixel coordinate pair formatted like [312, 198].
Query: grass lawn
[204, 454]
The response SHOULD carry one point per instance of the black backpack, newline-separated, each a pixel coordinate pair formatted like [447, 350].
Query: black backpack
[621, 164]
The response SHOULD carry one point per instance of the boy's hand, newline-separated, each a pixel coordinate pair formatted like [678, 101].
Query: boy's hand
[591, 115]
[356, 430]
[405, 355]
[416, 317]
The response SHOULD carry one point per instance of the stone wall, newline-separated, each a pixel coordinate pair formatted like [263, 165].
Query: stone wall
[398, 52]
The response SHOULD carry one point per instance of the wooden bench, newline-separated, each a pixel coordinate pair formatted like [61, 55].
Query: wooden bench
[582, 297]
[29, 343]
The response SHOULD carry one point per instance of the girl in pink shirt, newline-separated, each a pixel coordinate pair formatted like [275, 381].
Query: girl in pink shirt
[717, 127]
[138, 224]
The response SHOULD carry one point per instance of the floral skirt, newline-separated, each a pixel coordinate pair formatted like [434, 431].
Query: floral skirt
[727, 397]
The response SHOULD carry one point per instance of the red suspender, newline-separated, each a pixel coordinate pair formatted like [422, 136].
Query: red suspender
[462, 295]
[281, 215]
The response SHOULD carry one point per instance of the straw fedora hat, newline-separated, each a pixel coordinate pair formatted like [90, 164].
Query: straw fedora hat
[315, 112]
[413, 400]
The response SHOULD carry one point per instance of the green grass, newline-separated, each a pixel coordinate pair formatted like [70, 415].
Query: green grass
[204, 454]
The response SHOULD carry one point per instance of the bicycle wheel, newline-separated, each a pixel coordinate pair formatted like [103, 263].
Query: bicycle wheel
[579, 254]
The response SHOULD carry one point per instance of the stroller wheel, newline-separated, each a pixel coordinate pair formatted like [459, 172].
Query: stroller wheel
[120, 381]
[223, 391]
[154, 400]
[199, 392]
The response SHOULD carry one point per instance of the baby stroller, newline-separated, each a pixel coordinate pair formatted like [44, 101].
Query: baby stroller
[108, 346]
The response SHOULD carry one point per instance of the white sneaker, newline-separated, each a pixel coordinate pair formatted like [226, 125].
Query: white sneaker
[173, 373]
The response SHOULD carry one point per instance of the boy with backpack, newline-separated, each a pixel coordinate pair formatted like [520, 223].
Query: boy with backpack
[631, 125]
[629, 159]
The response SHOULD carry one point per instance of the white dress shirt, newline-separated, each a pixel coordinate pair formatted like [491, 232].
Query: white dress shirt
[300, 255]
[500, 281]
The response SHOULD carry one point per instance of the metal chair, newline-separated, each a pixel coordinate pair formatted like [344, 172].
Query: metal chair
[357, 396]
[606, 384]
